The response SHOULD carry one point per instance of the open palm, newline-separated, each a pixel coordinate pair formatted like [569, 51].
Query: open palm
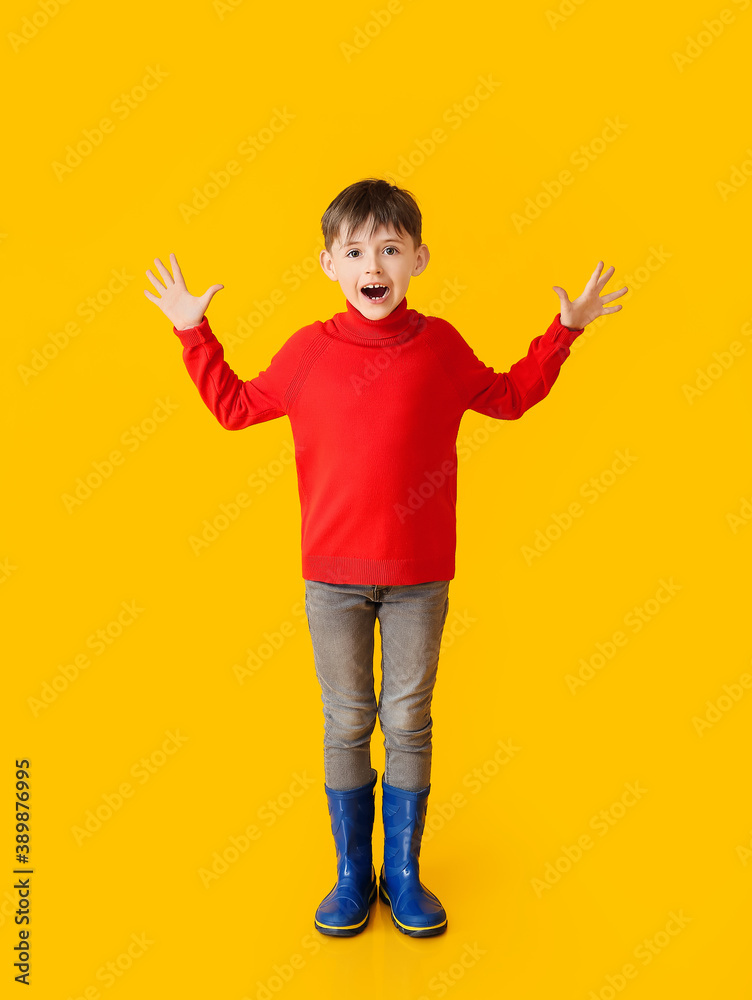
[175, 301]
[590, 305]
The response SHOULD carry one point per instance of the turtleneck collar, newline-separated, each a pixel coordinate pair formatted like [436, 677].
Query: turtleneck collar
[354, 326]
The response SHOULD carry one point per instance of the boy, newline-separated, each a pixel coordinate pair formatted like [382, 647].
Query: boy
[375, 396]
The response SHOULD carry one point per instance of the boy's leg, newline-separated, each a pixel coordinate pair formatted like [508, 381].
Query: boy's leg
[411, 619]
[341, 621]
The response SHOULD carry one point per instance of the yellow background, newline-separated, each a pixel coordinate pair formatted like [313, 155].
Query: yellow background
[520, 626]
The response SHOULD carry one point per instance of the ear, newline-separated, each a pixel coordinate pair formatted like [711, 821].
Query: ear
[422, 257]
[325, 259]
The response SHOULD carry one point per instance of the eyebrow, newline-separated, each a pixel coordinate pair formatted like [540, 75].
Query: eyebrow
[387, 239]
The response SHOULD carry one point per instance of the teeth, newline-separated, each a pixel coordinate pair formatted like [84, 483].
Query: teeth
[374, 286]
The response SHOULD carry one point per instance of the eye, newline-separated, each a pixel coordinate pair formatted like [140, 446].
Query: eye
[351, 251]
[391, 248]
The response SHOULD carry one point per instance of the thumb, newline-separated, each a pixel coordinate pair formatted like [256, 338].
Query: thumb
[563, 297]
[209, 295]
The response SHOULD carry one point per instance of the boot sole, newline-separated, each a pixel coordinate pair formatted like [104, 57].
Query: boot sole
[351, 930]
[405, 928]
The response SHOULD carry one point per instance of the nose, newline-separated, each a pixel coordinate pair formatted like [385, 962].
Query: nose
[373, 265]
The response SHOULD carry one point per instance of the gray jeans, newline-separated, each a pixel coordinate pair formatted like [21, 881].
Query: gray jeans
[341, 620]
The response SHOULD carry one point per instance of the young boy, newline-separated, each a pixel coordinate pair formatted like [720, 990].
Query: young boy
[375, 396]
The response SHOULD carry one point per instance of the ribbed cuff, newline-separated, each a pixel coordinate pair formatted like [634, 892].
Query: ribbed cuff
[562, 334]
[195, 334]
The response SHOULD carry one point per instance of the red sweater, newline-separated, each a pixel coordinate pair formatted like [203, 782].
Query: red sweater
[375, 407]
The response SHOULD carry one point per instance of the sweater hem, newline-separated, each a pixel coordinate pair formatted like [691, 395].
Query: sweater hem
[376, 572]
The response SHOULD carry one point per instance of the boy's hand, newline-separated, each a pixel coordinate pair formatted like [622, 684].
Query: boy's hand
[176, 302]
[589, 306]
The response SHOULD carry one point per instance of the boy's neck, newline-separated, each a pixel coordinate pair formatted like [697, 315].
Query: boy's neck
[353, 321]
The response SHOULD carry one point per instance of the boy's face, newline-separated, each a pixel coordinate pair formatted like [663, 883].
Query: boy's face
[386, 259]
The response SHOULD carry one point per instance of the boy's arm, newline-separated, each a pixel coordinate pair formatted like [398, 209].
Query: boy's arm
[508, 395]
[234, 402]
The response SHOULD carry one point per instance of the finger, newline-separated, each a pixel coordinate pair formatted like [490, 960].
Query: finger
[613, 309]
[594, 275]
[614, 295]
[560, 292]
[208, 295]
[152, 297]
[605, 277]
[164, 272]
[176, 268]
[155, 281]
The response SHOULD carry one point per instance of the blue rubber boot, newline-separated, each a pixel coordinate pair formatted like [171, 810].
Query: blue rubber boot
[346, 909]
[415, 910]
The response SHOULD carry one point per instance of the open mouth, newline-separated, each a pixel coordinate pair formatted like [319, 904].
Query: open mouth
[375, 293]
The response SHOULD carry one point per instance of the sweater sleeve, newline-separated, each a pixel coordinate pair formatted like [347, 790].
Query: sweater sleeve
[508, 395]
[234, 402]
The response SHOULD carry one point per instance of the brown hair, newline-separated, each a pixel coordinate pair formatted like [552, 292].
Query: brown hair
[383, 203]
